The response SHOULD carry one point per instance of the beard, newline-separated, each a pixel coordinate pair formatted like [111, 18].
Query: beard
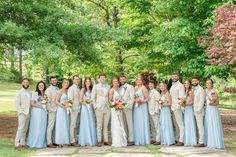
[25, 87]
[195, 85]
[53, 84]
[175, 80]
[123, 83]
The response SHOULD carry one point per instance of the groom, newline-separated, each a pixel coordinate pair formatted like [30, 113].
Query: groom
[127, 96]
[102, 110]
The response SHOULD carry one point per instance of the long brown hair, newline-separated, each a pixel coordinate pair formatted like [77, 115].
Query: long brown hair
[37, 88]
[164, 83]
[90, 86]
[115, 78]
[189, 88]
[142, 79]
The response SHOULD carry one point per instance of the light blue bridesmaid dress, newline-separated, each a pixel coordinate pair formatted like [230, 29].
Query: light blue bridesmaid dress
[87, 131]
[167, 133]
[141, 122]
[38, 126]
[190, 134]
[214, 136]
[62, 130]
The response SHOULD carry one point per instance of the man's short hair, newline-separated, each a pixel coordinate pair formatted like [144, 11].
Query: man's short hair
[75, 76]
[25, 79]
[102, 74]
[52, 77]
[123, 76]
[196, 77]
[175, 73]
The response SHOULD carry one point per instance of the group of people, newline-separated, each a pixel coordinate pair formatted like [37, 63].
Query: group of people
[184, 115]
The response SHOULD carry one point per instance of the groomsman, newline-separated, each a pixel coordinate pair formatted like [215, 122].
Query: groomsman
[153, 107]
[73, 96]
[102, 110]
[23, 99]
[177, 91]
[198, 106]
[127, 96]
[51, 92]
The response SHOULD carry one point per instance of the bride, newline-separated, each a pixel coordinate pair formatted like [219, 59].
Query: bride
[118, 133]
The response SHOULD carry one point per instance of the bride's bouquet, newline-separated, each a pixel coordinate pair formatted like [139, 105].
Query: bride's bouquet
[118, 105]
[68, 106]
[43, 101]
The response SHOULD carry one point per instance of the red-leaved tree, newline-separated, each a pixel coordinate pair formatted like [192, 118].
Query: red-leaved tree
[221, 45]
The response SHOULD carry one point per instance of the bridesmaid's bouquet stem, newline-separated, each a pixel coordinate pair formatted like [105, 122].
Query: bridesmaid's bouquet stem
[160, 102]
[212, 98]
[88, 101]
[68, 106]
[182, 103]
[137, 100]
[43, 101]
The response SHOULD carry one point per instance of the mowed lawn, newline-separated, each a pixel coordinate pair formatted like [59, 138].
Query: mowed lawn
[7, 96]
[8, 110]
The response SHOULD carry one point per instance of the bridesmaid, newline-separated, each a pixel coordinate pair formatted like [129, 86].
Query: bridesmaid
[214, 137]
[140, 114]
[167, 133]
[62, 137]
[38, 119]
[189, 120]
[87, 132]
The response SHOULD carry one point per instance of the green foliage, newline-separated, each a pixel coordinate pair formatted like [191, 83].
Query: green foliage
[47, 32]
[111, 36]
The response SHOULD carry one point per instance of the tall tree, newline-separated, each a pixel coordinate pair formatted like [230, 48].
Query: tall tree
[47, 29]
[221, 45]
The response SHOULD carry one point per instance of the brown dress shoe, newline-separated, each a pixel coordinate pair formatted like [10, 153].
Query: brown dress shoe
[199, 145]
[75, 144]
[179, 144]
[152, 141]
[156, 143]
[24, 146]
[130, 144]
[107, 143]
[99, 144]
[18, 148]
[51, 146]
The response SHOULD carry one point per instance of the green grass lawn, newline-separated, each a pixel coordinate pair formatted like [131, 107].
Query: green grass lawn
[228, 101]
[7, 149]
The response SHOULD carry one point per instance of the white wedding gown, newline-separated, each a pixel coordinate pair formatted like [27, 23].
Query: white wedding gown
[118, 134]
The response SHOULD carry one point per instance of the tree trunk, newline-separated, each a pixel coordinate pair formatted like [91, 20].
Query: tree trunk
[119, 62]
[20, 65]
[47, 77]
[12, 60]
